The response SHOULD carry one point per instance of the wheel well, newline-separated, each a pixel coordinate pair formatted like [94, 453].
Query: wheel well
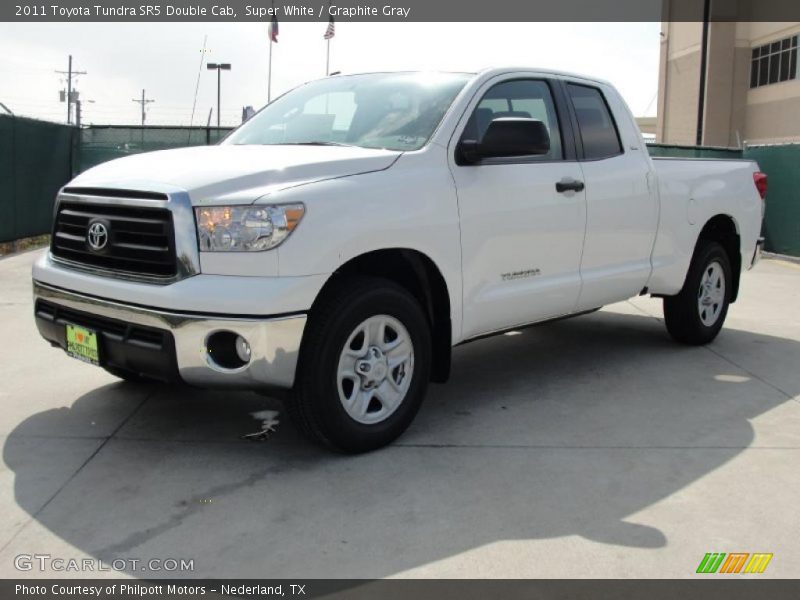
[419, 275]
[722, 229]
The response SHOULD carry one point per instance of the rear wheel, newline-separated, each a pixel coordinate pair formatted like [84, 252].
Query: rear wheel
[364, 366]
[697, 313]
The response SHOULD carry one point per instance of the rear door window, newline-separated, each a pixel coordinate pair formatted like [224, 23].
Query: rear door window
[597, 128]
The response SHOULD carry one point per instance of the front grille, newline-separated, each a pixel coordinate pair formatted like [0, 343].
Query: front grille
[140, 239]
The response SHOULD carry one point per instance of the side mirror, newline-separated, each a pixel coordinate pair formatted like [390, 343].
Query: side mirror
[508, 136]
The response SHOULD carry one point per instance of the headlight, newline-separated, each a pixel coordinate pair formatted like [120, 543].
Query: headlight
[245, 228]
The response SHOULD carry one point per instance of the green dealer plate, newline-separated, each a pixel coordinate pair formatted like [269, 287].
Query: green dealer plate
[82, 344]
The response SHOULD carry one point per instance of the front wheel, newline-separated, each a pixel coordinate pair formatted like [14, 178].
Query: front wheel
[364, 366]
[695, 315]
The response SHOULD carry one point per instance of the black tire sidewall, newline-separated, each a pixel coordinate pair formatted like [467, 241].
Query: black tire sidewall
[320, 372]
[715, 253]
[684, 306]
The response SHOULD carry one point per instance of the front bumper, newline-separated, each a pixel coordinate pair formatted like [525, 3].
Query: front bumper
[168, 345]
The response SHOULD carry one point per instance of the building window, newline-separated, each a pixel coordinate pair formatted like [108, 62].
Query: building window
[775, 62]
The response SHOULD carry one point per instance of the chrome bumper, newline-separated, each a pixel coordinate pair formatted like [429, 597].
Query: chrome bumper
[274, 342]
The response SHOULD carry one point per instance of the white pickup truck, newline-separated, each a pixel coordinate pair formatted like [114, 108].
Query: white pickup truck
[339, 244]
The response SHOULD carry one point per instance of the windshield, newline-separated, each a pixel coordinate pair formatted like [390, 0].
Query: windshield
[396, 111]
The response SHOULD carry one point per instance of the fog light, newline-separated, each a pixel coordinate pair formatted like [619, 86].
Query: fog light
[242, 349]
[228, 350]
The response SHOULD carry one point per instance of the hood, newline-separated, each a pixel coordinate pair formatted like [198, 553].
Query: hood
[233, 174]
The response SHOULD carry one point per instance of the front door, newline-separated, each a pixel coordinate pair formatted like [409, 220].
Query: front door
[521, 237]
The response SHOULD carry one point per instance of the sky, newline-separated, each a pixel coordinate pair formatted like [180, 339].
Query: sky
[121, 59]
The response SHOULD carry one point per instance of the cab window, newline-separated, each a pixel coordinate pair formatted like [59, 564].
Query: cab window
[595, 123]
[525, 98]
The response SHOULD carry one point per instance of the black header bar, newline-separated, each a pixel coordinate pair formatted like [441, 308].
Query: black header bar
[397, 10]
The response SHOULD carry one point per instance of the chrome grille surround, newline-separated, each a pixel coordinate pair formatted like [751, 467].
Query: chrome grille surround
[181, 241]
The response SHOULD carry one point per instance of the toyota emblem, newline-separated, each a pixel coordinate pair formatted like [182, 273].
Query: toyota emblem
[97, 236]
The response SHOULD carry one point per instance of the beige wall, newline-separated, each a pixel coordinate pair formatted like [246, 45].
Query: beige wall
[679, 79]
[646, 124]
[758, 34]
[733, 113]
[773, 122]
[728, 78]
[680, 105]
[772, 112]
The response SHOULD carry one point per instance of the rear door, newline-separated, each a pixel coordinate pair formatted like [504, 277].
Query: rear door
[521, 238]
[621, 210]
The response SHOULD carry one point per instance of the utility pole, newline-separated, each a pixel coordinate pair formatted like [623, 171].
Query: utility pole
[79, 111]
[70, 74]
[144, 102]
[218, 67]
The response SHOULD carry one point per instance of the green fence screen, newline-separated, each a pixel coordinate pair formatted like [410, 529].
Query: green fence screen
[673, 151]
[781, 163]
[35, 161]
[37, 158]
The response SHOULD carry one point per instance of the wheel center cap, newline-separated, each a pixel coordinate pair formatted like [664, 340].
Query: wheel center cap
[373, 367]
[380, 372]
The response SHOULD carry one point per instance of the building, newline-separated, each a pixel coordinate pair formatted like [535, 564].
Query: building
[752, 83]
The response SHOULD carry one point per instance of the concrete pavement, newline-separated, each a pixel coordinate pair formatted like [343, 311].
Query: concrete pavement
[592, 447]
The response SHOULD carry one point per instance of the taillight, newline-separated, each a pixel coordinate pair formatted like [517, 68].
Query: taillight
[760, 179]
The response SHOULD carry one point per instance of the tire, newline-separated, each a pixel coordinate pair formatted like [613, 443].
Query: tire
[347, 396]
[696, 314]
[128, 376]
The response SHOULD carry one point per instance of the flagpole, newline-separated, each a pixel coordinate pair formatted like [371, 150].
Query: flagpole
[272, 32]
[269, 73]
[328, 36]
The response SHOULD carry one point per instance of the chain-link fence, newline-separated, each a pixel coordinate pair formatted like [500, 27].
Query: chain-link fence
[100, 143]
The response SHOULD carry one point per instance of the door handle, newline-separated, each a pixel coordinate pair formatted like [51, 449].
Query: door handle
[569, 185]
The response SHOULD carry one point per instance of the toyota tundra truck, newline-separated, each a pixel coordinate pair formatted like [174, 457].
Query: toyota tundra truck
[342, 241]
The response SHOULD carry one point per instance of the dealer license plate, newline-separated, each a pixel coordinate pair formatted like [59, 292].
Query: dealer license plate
[82, 344]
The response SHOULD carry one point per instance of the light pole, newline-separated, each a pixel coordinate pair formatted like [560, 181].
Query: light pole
[218, 67]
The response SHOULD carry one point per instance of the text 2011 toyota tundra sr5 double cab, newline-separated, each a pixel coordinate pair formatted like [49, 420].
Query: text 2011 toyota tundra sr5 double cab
[343, 240]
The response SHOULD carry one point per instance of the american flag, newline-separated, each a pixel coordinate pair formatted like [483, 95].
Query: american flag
[273, 29]
[331, 30]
